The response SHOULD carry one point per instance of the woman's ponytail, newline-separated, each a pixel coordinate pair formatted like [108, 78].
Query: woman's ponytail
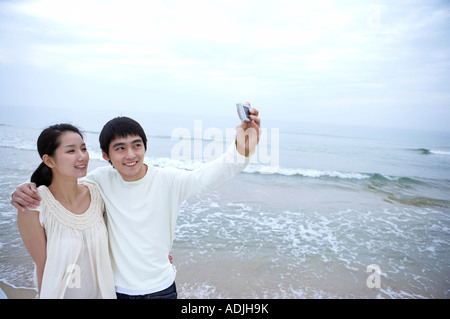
[42, 175]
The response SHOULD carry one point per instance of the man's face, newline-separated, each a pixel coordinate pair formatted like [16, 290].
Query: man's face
[127, 156]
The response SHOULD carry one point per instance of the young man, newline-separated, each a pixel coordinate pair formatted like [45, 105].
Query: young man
[142, 202]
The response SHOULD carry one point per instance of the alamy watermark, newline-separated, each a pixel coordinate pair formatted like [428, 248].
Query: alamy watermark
[73, 276]
[205, 144]
[374, 279]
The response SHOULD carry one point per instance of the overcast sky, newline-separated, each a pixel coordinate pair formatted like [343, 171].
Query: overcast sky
[377, 63]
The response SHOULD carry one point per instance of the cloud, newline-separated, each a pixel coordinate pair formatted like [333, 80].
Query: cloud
[353, 55]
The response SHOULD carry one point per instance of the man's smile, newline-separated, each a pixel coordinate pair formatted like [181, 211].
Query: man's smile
[131, 164]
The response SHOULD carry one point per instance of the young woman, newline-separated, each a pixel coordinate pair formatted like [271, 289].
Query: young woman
[66, 235]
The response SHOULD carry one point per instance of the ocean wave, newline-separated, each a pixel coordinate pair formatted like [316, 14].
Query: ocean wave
[426, 151]
[398, 189]
[440, 152]
[312, 173]
[252, 168]
[399, 179]
[169, 162]
[18, 145]
[418, 201]
[260, 169]
[377, 178]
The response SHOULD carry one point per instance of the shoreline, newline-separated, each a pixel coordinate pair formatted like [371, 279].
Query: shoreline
[12, 292]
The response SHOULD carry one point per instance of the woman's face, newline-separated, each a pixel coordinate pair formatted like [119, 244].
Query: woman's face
[71, 158]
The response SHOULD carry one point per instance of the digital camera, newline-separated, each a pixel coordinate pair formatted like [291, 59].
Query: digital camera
[243, 112]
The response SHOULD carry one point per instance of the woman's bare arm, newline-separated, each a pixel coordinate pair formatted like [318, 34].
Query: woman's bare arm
[34, 239]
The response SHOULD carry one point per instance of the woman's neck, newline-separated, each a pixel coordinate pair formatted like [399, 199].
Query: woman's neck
[73, 196]
[65, 190]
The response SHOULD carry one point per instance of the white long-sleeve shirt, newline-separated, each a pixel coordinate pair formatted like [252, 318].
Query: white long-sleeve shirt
[142, 215]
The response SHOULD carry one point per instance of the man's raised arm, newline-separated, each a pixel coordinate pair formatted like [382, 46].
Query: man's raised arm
[222, 169]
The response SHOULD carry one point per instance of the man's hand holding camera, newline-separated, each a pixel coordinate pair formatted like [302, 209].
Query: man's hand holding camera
[247, 133]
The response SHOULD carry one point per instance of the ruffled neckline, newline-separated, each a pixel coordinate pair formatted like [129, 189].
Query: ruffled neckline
[68, 218]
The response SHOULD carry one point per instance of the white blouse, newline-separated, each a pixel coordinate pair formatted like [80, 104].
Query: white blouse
[78, 264]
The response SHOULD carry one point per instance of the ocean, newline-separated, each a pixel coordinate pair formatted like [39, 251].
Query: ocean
[323, 211]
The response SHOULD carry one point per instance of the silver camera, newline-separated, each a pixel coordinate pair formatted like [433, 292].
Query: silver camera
[243, 112]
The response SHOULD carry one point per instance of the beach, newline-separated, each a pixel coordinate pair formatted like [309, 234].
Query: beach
[10, 292]
[345, 213]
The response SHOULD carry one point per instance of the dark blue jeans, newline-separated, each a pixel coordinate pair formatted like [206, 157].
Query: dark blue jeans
[168, 293]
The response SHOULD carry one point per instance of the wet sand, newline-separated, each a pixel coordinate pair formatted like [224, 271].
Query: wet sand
[17, 293]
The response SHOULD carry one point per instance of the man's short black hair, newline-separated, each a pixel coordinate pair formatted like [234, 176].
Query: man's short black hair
[121, 126]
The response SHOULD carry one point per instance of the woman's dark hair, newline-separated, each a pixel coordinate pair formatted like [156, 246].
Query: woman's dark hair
[120, 127]
[48, 141]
